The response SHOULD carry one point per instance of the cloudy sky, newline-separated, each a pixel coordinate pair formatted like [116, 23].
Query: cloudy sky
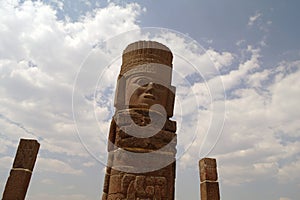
[236, 70]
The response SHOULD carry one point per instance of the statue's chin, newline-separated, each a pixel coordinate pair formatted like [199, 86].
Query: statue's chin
[150, 107]
[140, 105]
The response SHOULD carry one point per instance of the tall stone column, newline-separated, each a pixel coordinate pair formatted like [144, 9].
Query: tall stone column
[209, 185]
[20, 174]
[142, 138]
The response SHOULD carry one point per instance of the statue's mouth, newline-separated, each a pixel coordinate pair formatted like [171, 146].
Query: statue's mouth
[149, 96]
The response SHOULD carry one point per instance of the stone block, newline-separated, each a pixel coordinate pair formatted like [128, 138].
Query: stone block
[146, 161]
[210, 191]
[17, 184]
[208, 169]
[20, 174]
[26, 154]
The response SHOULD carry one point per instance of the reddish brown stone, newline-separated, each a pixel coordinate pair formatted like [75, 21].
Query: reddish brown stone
[131, 192]
[210, 191]
[126, 180]
[106, 183]
[20, 174]
[208, 169]
[157, 192]
[104, 196]
[123, 160]
[17, 184]
[139, 185]
[170, 126]
[149, 190]
[26, 154]
[115, 196]
[164, 139]
[115, 184]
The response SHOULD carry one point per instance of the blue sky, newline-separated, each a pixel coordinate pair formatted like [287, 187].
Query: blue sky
[58, 65]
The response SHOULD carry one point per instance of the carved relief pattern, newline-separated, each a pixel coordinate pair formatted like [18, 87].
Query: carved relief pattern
[138, 187]
[157, 185]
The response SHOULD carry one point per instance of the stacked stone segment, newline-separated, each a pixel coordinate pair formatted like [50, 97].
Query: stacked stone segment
[120, 180]
[209, 186]
[20, 174]
[144, 52]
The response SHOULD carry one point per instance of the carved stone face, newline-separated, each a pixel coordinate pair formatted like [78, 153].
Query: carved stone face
[144, 90]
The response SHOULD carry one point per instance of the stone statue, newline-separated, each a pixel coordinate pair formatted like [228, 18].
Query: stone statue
[142, 138]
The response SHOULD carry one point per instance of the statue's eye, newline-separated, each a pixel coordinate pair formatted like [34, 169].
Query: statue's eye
[142, 81]
[160, 87]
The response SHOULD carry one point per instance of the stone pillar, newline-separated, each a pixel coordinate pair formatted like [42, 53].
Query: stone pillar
[142, 165]
[209, 185]
[20, 174]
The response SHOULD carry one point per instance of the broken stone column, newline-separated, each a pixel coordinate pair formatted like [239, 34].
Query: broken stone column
[209, 185]
[20, 174]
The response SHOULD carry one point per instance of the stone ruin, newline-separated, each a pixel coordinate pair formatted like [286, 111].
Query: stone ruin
[142, 138]
[20, 174]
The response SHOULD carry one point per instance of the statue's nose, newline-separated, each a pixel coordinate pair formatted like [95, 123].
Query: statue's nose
[150, 86]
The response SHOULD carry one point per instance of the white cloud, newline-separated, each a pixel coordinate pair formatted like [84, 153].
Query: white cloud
[59, 196]
[6, 162]
[41, 55]
[222, 59]
[56, 166]
[47, 181]
[262, 123]
[254, 18]
[289, 172]
[89, 164]
[262, 128]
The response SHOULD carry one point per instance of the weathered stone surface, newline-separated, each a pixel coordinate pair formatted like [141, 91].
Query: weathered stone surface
[106, 182]
[26, 154]
[17, 184]
[156, 184]
[104, 196]
[20, 174]
[115, 196]
[126, 180]
[209, 186]
[147, 161]
[158, 141]
[115, 184]
[208, 169]
[210, 191]
[134, 154]
[139, 185]
[149, 190]
[157, 192]
[170, 126]
[140, 116]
